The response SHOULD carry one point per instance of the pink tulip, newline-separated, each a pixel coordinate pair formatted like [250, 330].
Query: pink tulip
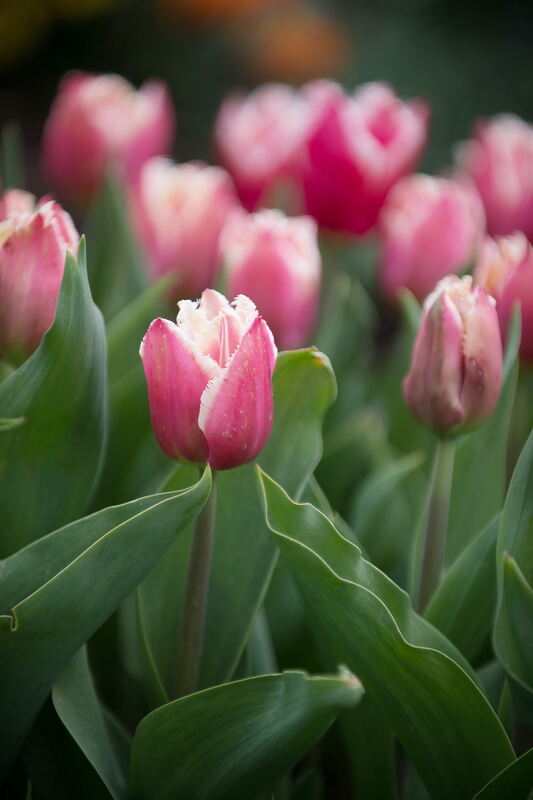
[209, 381]
[275, 260]
[34, 240]
[257, 138]
[505, 269]
[500, 162]
[100, 121]
[456, 369]
[357, 148]
[429, 227]
[179, 211]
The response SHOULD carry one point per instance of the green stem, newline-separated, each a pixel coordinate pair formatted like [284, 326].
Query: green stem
[195, 604]
[436, 524]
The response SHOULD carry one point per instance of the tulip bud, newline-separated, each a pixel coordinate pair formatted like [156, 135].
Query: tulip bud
[357, 148]
[455, 376]
[209, 381]
[505, 269]
[179, 211]
[275, 260]
[257, 138]
[499, 160]
[34, 240]
[98, 121]
[428, 228]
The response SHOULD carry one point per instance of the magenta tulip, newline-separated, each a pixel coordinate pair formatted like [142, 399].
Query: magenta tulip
[100, 121]
[499, 160]
[428, 228]
[209, 381]
[505, 269]
[357, 148]
[275, 260]
[34, 240]
[455, 376]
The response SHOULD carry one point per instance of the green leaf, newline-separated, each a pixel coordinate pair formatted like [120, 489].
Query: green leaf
[514, 782]
[442, 719]
[268, 724]
[78, 707]
[12, 157]
[59, 590]
[50, 464]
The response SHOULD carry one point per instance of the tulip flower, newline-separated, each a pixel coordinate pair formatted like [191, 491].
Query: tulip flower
[499, 160]
[275, 260]
[209, 381]
[34, 240]
[179, 211]
[455, 376]
[429, 227]
[258, 137]
[505, 269]
[100, 121]
[357, 148]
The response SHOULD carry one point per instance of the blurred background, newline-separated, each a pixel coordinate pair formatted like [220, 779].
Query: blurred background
[468, 59]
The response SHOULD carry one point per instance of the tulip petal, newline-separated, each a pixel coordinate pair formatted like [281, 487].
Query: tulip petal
[237, 407]
[482, 351]
[176, 377]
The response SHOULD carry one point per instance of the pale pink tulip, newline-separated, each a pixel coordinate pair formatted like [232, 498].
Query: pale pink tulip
[275, 260]
[34, 240]
[455, 376]
[429, 227]
[179, 211]
[209, 381]
[101, 121]
[499, 159]
[505, 270]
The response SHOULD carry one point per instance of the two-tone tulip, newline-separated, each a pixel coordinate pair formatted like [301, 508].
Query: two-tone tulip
[178, 212]
[505, 269]
[428, 228]
[455, 376]
[499, 160]
[209, 381]
[34, 240]
[275, 260]
[101, 121]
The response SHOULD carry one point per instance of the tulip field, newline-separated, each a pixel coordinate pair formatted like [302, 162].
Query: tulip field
[266, 452]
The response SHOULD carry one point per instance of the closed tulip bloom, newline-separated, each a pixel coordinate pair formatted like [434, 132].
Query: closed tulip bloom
[357, 148]
[179, 211]
[258, 137]
[34, 240]
[505, 269]
[499, 159]
[99, 121]
[209, 381]
[275, 260]
[429, 227]
[455, 376]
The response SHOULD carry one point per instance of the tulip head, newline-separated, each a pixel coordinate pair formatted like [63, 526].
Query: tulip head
[275, 260]
[505, 269]
[428, 228]
[499, 160]
[357, 148]
[179, 211]
[100, 121]
[455, 376]
[34, 240]
[209, 381]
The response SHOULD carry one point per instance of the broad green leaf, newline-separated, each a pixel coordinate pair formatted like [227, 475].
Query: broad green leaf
[77, 705]
[464, 602]
[49, 465]
[236, 740]
[513, 783]
[440, 716]
[59, 590]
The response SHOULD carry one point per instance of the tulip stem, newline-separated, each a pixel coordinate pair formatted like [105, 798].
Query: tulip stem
[195, 604]
[436, 523]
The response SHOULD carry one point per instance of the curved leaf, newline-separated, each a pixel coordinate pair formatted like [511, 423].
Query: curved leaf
[516, 781]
